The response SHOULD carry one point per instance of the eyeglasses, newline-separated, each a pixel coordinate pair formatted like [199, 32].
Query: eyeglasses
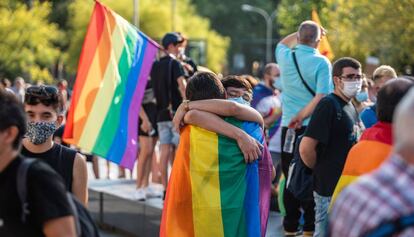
[352, 77]
[46, 95]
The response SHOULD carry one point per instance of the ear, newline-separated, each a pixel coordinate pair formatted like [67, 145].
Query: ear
[10, 134]
[336, 80]
[60, 119]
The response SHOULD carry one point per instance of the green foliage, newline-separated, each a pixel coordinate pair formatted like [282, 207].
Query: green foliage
[362, 28]
[382, 28]
[27, 42]
[155, 21]
[291, 13]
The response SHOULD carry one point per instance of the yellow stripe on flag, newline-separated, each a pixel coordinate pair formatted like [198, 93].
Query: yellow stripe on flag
[205, 183]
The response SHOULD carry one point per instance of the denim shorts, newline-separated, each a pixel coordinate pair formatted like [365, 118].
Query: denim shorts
[166, 133]
[321, 214]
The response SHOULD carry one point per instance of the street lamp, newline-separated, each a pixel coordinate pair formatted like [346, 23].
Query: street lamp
[269, 25]
[136, 13]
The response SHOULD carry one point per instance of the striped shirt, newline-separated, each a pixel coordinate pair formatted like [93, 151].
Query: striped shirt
[384, 195]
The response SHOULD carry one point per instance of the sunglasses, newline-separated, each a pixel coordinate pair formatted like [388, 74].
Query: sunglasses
[46, 95]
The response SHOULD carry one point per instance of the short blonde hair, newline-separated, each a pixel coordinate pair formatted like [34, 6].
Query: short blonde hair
[384, 71]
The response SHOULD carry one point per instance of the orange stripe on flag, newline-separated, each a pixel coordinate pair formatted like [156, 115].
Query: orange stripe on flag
[324, 46]
[365, 157]
[177, 216]
[94, 77]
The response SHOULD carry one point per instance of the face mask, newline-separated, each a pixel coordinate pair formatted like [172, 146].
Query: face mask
[240, 100]
[277, 83]
[181, 51]
[351, 88]
[39, 132]
[362, 96]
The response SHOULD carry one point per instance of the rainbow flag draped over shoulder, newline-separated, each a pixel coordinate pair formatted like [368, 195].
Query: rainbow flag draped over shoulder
[113, 70]
[212, 191]
[324, 46]
[367, 155]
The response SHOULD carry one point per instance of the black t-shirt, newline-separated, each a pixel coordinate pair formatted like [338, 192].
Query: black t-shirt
[46, 196]
[59, 133]
[190, 62]
[335, 137]
[60, 158]
[164, 75]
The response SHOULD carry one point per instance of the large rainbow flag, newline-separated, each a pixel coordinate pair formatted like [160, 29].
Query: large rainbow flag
[113, 70]
[367, 155]
[212, 191]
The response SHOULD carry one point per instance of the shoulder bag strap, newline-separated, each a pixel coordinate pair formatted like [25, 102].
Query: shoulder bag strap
[22, 186]
[300, 74]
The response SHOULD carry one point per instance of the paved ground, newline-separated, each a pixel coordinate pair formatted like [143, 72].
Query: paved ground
[275, 220]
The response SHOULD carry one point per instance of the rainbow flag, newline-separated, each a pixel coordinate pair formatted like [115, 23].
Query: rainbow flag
[324, 46]
[113, 70]
[212, 191]
[367, 155]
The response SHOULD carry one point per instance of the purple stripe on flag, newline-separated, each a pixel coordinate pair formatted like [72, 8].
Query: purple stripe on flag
[130, 154]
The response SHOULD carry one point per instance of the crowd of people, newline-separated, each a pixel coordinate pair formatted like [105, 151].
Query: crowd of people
[341, 123]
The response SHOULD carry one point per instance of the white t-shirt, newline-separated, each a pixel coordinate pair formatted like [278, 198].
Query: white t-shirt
[266, 107]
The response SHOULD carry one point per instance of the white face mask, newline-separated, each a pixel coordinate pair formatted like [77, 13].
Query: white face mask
[351, 88]
[181, 51]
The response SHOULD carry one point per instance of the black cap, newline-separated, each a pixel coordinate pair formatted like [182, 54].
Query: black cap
[171, 38]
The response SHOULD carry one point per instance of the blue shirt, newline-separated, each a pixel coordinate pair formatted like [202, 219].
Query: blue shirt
[368, 116]
[316, 71]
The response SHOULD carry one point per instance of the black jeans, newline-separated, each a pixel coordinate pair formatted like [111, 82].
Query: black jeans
[293, 205]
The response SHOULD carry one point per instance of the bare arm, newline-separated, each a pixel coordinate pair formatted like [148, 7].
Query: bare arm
[227, 108]
[146, 125]
[60, 227]
[80, 179]
[307, 149]
[290, 40]
[182, 84]
[248, 145]
[296, 122]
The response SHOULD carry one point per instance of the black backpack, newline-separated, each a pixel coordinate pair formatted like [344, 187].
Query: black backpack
[300, 178]
[85, 226]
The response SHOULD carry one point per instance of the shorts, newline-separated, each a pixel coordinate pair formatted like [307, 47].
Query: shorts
[151, 111]
[167, 135]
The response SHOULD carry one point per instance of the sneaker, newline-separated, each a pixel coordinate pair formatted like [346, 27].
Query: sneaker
[152, 192]
[139, 194]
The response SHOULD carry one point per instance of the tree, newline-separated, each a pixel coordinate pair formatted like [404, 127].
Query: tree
[154, 21]
[246, 30]
[27, 42]
[362, 28]
[379, 28]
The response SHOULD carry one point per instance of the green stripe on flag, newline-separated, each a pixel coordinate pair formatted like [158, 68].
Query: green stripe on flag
[232, 171]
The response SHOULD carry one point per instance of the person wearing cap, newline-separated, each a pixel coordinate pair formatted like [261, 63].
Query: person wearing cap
[168, 80]
[190, 68]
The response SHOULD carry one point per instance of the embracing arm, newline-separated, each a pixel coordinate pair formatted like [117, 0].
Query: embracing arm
[227, 108]
[248, 145]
